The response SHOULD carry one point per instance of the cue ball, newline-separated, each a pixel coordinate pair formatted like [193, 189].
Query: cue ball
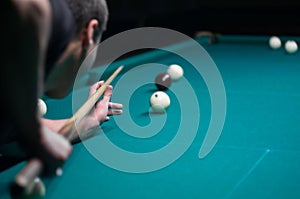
[275, 42]
[163, 81]
[42, 107]
[291, 46]
[160, 101]
[175, 71]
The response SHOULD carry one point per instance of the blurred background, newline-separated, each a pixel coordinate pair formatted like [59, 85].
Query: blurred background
[255, 17]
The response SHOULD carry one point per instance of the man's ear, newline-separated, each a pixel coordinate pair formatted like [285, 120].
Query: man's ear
[87, 34]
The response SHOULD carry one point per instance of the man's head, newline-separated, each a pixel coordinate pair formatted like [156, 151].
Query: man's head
[85, 11]
[90, 18]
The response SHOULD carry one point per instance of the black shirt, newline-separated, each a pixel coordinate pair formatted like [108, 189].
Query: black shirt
[62, 31]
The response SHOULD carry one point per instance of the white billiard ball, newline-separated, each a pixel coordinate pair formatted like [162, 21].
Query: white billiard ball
[159, 101]
[291, 46]
[42, 108]
[275, 42]
[175, 71]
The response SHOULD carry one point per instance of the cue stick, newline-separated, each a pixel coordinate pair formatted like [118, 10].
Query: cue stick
[35, 166]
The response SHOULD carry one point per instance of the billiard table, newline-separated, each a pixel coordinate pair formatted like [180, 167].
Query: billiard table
[143, 154]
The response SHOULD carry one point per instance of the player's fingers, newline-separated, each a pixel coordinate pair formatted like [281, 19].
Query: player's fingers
[114, 112]
[95, 87]
[107, 94]
[115, 105]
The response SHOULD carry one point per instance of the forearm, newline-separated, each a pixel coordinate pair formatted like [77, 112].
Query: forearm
[53, 125]
[82, 131]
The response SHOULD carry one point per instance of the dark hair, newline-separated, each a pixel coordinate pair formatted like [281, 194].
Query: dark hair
[85, 10]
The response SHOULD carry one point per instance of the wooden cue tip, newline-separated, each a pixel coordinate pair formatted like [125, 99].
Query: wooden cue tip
[119, 69]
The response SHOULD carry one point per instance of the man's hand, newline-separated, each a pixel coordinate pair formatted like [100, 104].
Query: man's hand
[104, 108]
[53, 150]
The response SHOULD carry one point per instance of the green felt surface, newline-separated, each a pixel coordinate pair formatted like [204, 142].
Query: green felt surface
[257, 155]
